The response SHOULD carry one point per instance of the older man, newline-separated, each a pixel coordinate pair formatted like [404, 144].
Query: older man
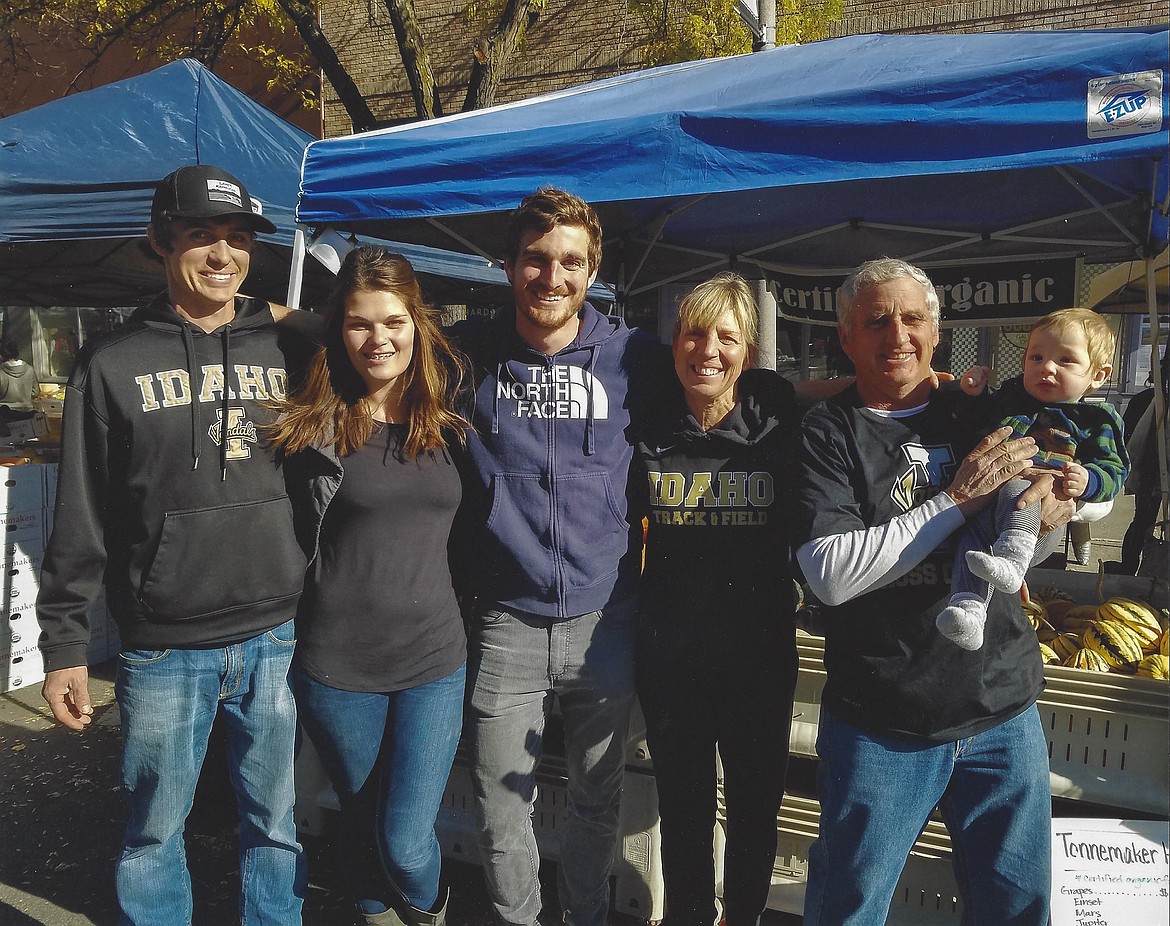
[909, 720]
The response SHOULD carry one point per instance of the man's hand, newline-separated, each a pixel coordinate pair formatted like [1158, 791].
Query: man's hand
[974, 381]
[67, 693]
[993, 462]
[1054, 510]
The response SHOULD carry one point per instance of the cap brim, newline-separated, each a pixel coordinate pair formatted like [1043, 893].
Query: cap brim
[258, 222]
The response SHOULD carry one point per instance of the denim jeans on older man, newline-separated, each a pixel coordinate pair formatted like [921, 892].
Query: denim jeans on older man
[517, 662]
[876, 793]
[168, 700]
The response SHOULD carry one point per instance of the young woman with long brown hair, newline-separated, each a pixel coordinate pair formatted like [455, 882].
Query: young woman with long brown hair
[373, 438]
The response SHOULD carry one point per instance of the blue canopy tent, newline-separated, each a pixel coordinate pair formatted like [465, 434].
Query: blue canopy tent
[940, 149]
[931, 147]
[77, 176]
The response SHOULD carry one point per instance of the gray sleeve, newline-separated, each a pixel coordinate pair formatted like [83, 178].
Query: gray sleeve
[841, 567]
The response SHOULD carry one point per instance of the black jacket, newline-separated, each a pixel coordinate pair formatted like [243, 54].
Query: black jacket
[717, 541]
[166, 489]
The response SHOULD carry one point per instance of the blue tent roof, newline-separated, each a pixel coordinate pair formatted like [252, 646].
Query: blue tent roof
[86, 165]
[77, 176]
[929, 147]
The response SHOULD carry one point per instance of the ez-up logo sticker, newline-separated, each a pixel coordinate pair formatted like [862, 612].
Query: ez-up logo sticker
[1128, 104]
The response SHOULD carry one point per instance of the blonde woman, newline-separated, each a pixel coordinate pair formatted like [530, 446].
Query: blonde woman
[716, 626]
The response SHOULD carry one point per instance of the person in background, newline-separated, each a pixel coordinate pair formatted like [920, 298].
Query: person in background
[373, 440]
[886, 477]
[554, 552]
[165, 494]
[1142, 435]
[1069, 354]
[716, 628]
[18, 380]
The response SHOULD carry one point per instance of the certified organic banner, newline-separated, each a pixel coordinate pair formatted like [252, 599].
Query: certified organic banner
[971, 294]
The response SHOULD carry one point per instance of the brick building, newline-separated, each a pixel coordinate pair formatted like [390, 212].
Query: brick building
[572, 42]
[913, 16]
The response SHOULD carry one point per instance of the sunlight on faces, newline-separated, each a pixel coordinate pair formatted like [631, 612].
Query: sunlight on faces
[550, 278]
[207, 262]
[378, 333]
[891, 338]
[709, 361]
[1057, 366]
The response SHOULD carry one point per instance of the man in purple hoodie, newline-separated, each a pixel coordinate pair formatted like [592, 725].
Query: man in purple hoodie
[556, 557]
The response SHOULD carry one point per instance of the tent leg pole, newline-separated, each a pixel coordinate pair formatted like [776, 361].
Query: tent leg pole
[766, 341]
[1159, 396]
[296, 273]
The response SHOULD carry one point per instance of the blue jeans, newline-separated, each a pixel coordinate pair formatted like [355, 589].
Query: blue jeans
[518, 661]
[388, 755]
[876, 793]
[168, 700]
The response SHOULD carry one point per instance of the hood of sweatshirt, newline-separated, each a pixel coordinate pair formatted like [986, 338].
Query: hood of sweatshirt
[765, 403]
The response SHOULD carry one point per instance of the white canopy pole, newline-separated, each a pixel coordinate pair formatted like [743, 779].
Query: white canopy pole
[296, 273]
[766, 346]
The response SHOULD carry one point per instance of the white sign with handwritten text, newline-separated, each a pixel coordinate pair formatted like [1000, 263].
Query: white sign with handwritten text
[1110, 872]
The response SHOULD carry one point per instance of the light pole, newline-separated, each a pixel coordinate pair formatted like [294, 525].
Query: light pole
[762, 22]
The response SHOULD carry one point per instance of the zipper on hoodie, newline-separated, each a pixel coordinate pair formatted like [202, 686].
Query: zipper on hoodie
[554, 522]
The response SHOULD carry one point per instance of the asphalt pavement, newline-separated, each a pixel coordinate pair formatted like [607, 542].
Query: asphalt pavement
[62, 816]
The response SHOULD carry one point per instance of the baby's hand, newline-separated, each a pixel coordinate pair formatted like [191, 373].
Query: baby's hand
[974, 381]
[1074, 482]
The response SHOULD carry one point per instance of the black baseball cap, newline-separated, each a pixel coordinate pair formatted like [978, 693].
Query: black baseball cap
[205, 192]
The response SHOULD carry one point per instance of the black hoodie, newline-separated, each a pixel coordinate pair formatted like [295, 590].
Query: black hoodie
[189, 526]
[717, 550]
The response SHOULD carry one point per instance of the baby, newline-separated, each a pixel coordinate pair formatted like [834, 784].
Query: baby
[1069, 354]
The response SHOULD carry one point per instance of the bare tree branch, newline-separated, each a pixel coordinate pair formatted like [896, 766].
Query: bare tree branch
[415, 59]
[305, 20]
[493, 54]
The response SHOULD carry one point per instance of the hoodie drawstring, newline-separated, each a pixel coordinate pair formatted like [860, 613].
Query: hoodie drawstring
[223, 417]
[592, 384]
[501, 367]
[189, 348]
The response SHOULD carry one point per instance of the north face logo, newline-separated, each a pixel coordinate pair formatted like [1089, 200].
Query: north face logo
[556, 392]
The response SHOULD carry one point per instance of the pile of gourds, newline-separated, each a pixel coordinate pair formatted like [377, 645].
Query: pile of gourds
[1117, 635]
